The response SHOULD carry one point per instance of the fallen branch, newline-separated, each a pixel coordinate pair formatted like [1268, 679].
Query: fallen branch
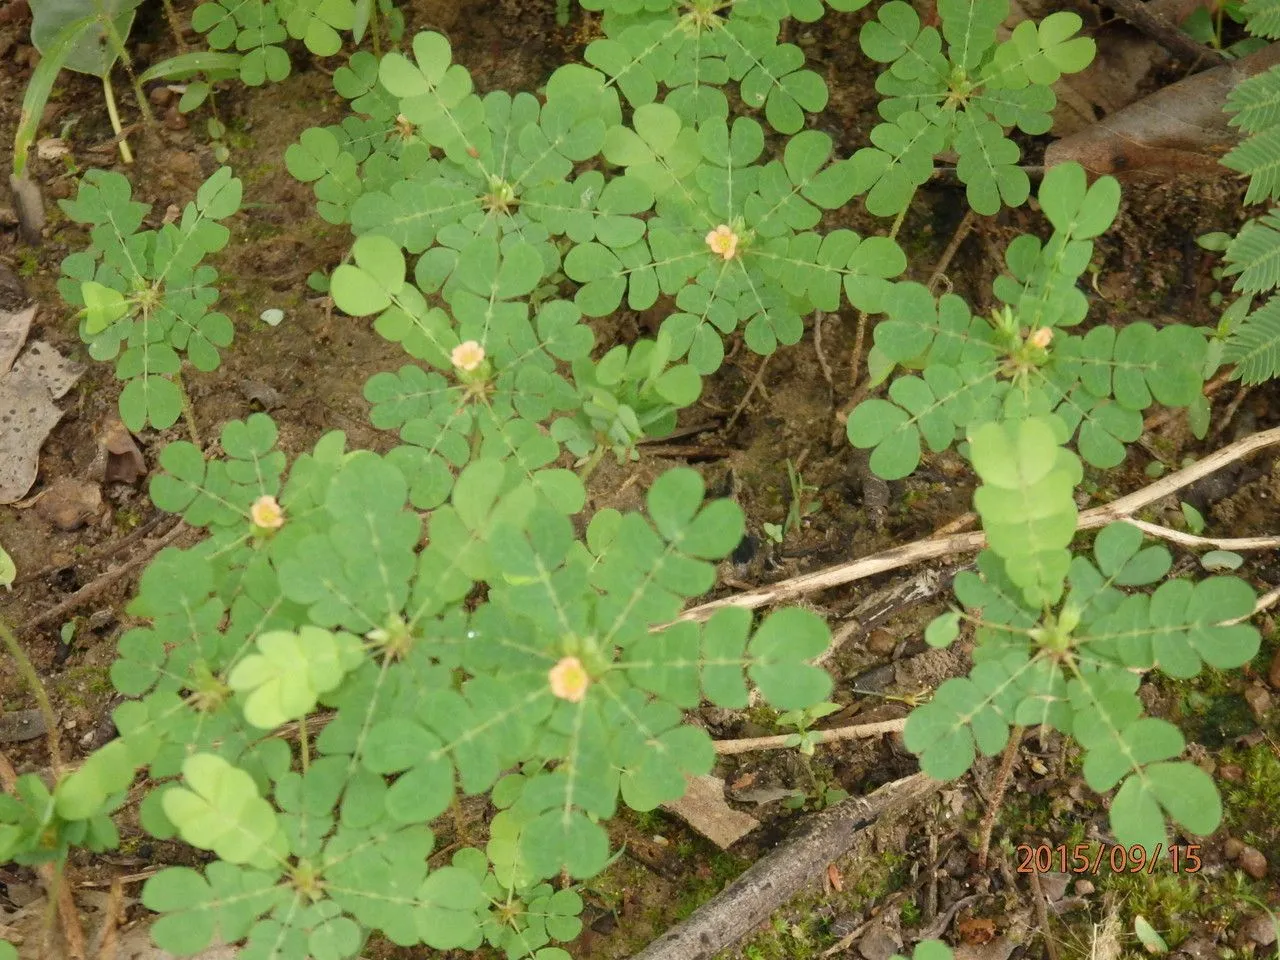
[1195, 542]
[1138, 13]
[102, 552]
[936, 547]
[102, 582]
[775, 879]
[856, 732]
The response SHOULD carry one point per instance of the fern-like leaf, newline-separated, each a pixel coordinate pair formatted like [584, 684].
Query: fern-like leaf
[1254, 347]
[1263, 17]
[1255, 255]
[1255, 102]
[1259, 157]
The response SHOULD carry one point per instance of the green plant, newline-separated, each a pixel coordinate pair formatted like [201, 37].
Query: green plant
[730, 238]
[329, 602]
[802, 720]
[362, 638]
[799, 506]
[146, 294]
[1209, 24]
[87, 36]
[962, 100]
[1020, 361]
[823, 795]
[1059, 644]
[1253, 335]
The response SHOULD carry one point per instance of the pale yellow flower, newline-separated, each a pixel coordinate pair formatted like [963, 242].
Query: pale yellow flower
[569, 680]
[1041, 338]
[467, 356]
[266, 513]
[724, 241]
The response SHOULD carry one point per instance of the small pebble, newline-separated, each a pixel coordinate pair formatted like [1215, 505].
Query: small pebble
[1253, 863]
[881, 642]
[1259, 699]
[1054, 886]
[1273, 674]
[1260, 929]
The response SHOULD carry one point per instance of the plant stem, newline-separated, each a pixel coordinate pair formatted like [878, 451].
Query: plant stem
[897, 223]
[174, 28]
[302, 741]
[32, 679]
[125, 153]
[933, 547]
[592, 462]
[188, 411]
[117, 41]
[997, 795]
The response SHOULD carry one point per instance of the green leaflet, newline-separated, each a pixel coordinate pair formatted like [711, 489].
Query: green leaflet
[146, 294]
[221, 811]
[277, 690]
[1026, 502]
[964, 98]
[1072, 663]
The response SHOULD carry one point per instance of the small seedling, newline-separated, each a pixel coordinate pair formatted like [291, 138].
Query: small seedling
[799, 507]
[803, 720]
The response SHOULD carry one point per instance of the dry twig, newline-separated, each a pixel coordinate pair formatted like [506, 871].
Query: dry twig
[856, 732]
[1229, 414]
[1201, 543]
[1042, 916]
[100, 583]
[1180, 44]
[936, 547]
[101, 552]
[756, 384]
[962, 231]
[818, 317]
[777, 877]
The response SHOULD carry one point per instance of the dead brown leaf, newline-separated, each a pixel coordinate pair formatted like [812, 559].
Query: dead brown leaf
[976, 930]
[122, 460]
[835, 878]
[1179, 129]
[70, 504]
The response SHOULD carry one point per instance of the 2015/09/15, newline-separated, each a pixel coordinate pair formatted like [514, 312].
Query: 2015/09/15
[1086, 858]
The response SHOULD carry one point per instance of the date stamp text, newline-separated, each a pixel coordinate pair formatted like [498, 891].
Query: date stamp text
[1092, 858]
